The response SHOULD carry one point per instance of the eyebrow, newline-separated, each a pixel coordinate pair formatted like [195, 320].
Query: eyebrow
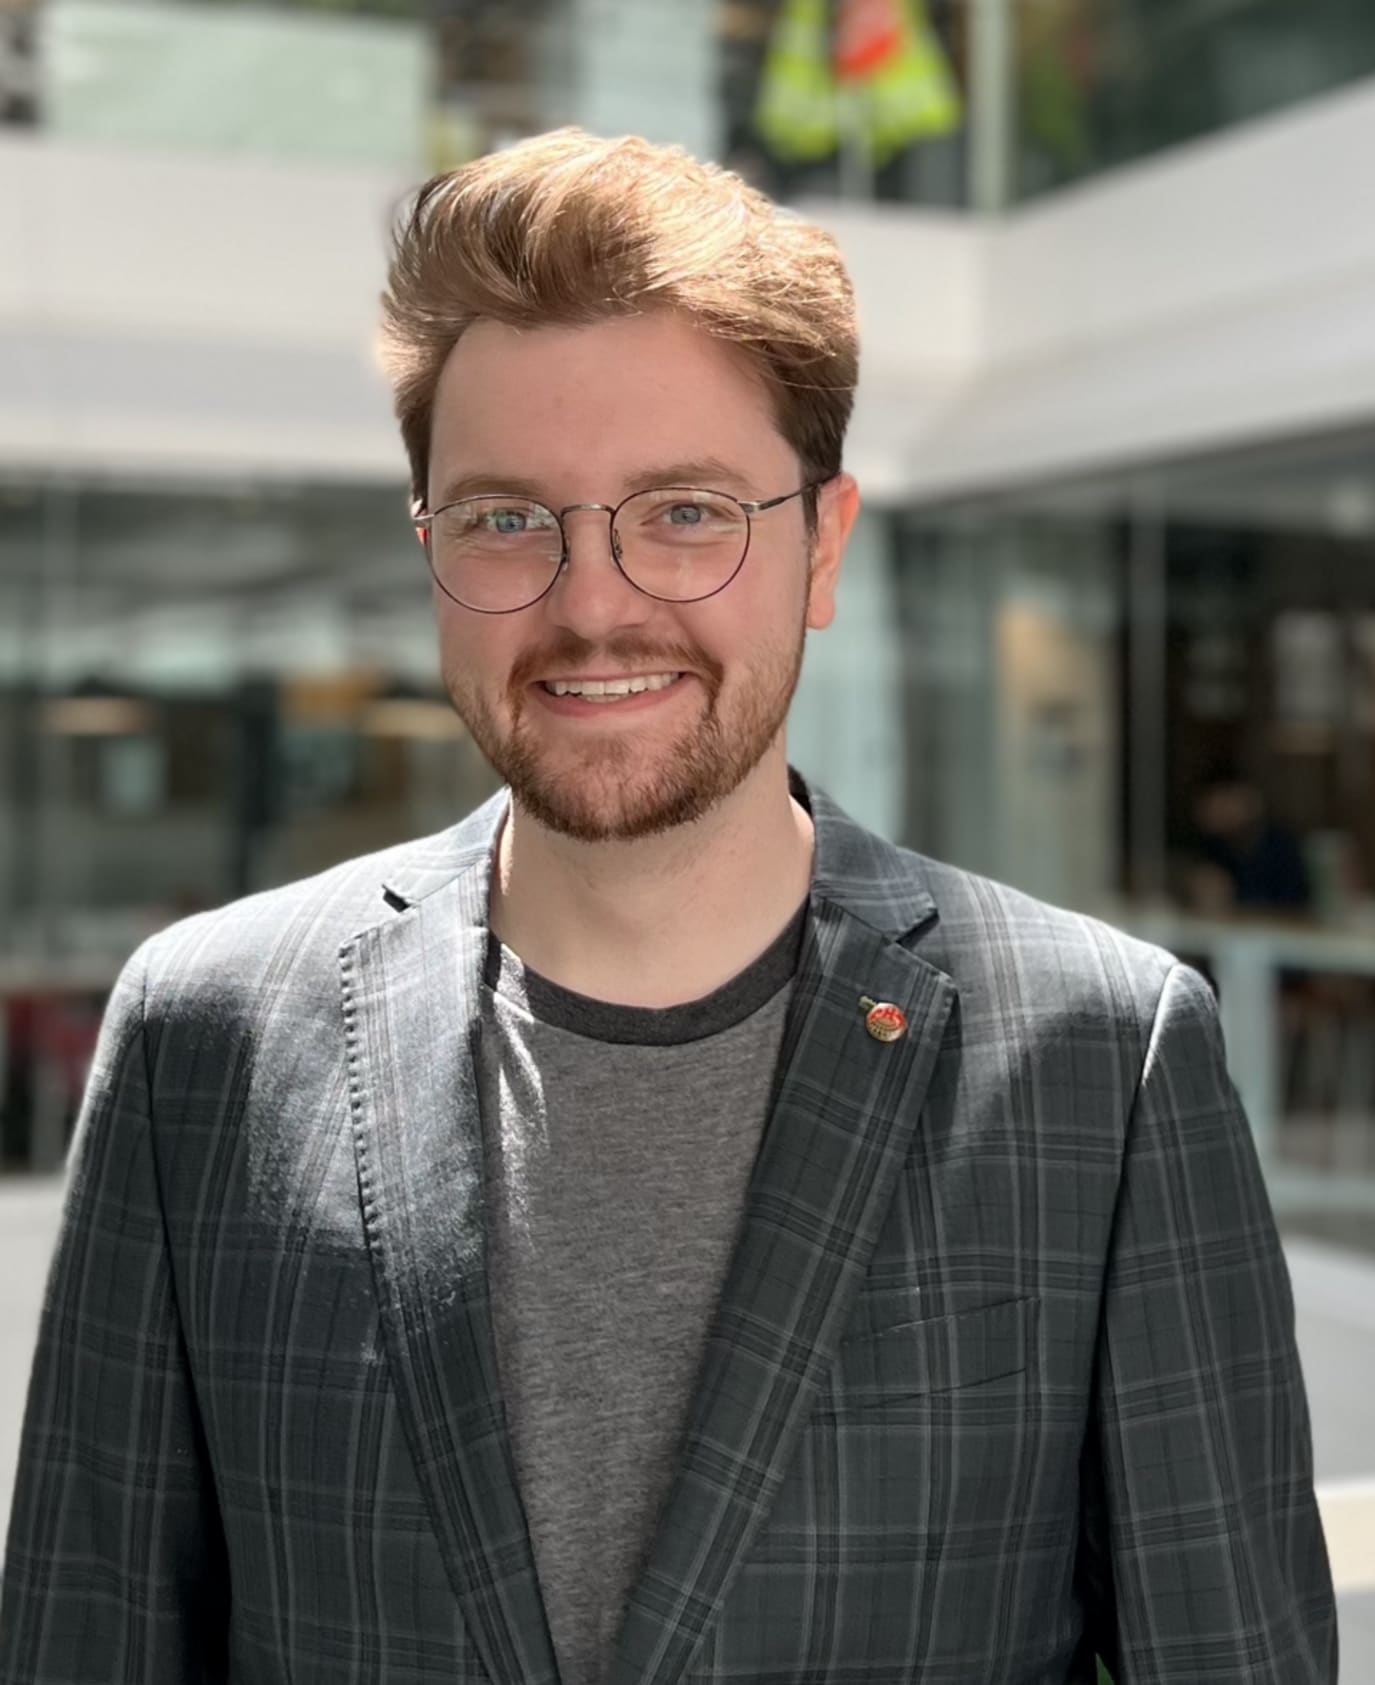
[707, 473]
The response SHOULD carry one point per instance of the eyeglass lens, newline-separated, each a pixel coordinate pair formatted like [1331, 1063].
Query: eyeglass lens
[500, 553]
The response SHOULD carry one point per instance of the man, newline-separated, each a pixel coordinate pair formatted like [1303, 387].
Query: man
[656, 1230]
[1245, 859]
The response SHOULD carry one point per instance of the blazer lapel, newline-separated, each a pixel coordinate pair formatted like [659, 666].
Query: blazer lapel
[844, 1111]
[411, 1005]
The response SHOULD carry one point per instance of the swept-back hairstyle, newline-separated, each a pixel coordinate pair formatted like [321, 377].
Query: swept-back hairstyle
[567, 229]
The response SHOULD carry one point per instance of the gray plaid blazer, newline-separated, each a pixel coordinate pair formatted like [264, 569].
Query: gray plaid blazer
[1003, 1373]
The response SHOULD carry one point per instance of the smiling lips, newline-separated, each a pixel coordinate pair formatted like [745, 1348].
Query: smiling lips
[610, 690]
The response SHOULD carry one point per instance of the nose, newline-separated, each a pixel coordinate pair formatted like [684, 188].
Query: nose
[592, 597]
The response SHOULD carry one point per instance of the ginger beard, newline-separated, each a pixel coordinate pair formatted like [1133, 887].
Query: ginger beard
[618, 785]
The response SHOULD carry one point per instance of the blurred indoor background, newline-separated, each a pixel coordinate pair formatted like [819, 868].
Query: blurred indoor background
[1108, 629]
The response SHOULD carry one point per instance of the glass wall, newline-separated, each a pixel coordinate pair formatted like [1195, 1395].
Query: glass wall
[1149, 697]
[1013, 622]
[206, 691]
[1080, 86]
[1153, 698]
[968, 104]
[1101, 83]
[203, 692]
[231, 79]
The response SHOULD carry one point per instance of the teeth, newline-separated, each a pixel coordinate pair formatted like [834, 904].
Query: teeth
[610, 690]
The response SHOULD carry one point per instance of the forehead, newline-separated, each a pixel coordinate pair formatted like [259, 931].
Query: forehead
[595, 403]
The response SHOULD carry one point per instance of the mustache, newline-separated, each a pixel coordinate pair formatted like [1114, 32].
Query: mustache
[572, 653]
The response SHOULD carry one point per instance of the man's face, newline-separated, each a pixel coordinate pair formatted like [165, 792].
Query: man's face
[1228, 810]
[591, 414]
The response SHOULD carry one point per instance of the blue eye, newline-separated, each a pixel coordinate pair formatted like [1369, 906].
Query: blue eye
[507, 520]
[685, 515]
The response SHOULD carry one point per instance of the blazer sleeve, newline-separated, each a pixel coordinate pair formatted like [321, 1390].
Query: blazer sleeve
[1205, 1558]
[115, 1568]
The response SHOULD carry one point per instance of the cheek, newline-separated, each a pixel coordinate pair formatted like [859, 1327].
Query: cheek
[470, 649]
[762, 607]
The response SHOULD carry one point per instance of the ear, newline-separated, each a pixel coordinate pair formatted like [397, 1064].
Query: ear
[837, 507]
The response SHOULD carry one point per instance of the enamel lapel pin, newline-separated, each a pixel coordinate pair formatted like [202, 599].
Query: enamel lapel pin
[883, 1020]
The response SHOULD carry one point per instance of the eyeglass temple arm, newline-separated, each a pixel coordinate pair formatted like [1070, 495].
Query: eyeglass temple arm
[758, 508]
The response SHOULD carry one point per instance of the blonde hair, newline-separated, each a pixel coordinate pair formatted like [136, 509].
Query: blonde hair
[566, 230]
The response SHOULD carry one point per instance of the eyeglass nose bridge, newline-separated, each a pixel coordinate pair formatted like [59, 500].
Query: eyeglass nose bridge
[610, 509]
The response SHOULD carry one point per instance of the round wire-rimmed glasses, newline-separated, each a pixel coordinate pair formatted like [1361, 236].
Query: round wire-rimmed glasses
[496, 554]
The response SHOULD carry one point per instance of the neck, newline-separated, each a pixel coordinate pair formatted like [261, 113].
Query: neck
[664, 919]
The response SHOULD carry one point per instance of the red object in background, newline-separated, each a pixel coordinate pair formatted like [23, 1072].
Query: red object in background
[67, 1031]
[49, 1040]
[868, 34]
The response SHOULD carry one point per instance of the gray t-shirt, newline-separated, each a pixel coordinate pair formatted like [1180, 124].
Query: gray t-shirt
[618, 1145]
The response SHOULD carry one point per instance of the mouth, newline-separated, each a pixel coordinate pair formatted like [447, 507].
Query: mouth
[604, 691]
[625, 694]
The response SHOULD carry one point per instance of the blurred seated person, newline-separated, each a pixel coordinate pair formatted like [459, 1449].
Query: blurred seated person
[1244, 859]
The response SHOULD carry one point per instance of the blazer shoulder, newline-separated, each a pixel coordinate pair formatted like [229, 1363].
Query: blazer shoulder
[291, 934]
[993, 935]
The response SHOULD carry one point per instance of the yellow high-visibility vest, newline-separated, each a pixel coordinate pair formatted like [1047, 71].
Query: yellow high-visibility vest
[905, 94]
[796, 112]
[912, 94]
